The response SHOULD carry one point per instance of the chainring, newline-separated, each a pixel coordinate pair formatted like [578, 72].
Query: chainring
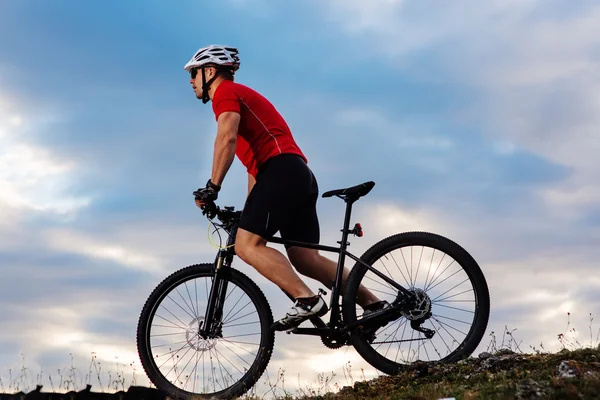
[335, 342]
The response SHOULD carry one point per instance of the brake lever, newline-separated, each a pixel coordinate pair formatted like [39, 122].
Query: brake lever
[210, 210]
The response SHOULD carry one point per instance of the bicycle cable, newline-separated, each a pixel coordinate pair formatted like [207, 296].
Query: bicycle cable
[212, 243]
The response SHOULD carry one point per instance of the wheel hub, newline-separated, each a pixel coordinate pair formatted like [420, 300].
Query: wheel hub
[422, 306]
[192, 335]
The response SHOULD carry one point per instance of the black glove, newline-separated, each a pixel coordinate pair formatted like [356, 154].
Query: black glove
[207, 194]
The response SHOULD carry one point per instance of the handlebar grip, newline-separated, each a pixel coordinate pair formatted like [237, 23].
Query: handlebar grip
[210, 209]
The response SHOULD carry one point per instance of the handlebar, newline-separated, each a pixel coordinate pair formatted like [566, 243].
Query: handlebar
[226, 215]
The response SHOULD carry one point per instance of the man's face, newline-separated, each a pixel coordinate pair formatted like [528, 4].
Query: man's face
[196, 79]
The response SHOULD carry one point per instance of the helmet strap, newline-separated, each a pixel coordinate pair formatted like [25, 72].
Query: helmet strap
[206, 85]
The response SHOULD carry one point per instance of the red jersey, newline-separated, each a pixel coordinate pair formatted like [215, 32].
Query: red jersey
[262, 133]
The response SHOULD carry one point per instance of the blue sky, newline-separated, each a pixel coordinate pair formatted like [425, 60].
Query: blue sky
[476, 120]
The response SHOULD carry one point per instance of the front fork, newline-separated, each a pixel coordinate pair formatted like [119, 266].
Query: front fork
[212, 325]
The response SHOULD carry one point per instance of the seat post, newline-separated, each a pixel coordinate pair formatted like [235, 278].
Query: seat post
[337, 284]
[345, 231]
[349, 202]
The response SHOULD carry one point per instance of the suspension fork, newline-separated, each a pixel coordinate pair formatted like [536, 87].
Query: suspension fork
[216, 298]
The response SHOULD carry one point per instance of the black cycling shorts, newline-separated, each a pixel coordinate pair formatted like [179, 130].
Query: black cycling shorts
[284, 199]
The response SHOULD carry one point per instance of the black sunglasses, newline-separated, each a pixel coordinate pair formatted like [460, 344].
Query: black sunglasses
[194, 71]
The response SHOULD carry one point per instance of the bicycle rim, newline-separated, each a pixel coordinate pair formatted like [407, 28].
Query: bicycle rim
[456, 295]
[183, 364]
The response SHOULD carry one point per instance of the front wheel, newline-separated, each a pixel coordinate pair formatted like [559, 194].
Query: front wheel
[183, 364]
[452, 300]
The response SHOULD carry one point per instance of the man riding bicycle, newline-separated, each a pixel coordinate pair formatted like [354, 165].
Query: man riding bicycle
[282, 190]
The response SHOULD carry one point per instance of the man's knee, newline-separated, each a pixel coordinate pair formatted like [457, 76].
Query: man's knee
[245, 244]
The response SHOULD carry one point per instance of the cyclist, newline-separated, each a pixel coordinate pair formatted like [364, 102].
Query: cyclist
[282, 190]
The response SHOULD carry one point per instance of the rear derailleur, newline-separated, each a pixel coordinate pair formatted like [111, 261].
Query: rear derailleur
[416, 325]
[415, 308]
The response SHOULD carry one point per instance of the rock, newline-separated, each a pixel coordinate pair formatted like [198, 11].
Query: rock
[485, 355]
[504, 352]
[569, 369]
[499, 363]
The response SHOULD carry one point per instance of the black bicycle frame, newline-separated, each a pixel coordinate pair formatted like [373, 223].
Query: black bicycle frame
[225, 256]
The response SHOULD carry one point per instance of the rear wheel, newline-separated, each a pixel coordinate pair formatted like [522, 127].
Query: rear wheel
[453, 301]
[183, 364]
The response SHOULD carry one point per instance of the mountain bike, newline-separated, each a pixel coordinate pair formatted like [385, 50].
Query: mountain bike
[195, 345]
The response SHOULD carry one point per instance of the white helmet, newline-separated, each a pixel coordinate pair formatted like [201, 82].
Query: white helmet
[214, 54]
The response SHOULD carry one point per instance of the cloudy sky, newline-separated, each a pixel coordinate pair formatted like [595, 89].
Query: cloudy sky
[477, 120]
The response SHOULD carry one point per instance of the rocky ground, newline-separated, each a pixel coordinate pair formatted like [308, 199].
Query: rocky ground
[503, 375]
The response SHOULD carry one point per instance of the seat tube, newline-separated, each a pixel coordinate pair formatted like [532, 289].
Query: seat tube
[337, 286]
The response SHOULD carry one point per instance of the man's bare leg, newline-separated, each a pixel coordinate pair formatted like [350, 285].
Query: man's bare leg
[310, 263]
[270, 263]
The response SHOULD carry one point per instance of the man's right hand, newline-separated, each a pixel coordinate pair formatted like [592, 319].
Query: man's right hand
[206, 195]
[199, 203]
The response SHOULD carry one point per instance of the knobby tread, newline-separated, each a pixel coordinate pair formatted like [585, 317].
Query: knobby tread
[264, 311]
[436, 241]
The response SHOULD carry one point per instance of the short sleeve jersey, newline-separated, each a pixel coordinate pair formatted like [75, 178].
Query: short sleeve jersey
[262, 132]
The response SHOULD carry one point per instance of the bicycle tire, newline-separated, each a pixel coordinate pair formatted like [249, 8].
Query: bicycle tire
[266, 343]
[435, 241]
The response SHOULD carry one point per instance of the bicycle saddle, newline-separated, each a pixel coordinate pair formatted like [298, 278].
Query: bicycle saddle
[358, 190]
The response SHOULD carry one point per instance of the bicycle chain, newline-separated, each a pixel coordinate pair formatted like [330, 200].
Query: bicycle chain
[398, 341]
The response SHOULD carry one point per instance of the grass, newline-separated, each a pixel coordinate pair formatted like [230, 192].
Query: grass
[70, 378]
[504, 370]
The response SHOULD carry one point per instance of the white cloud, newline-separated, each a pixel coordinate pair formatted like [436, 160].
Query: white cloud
[492, 44]
[31, 177]
[67, 241]
[152, 247]
[534, 69]
[59, 329]
[394, 28]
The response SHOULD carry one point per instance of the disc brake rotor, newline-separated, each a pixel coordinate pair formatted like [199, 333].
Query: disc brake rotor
[194, 339]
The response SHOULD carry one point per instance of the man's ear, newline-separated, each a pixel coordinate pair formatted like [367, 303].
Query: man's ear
[210, 72]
